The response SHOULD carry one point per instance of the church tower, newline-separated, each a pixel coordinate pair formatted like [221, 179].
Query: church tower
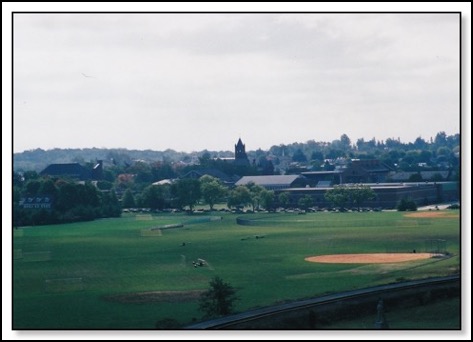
[240, 154]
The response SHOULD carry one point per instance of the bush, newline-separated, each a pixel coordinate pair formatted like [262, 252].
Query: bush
[407, 205]
[218, 300]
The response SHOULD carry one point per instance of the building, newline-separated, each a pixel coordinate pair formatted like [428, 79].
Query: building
[355, 171]
[36, 202]
[241, 157]
[388, 195]
[74, 171]
[275, 182]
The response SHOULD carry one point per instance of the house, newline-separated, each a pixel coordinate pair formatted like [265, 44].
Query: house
[276, 182]
[74, 171]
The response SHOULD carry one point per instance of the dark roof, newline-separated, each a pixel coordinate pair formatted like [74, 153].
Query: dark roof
[324, 184]
[73, 170]
[308, 173]
[196, 174]
[404, 175]
[277, 180]
[371, 165]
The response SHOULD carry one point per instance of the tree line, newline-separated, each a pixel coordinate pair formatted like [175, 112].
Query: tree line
[70, 201]
[436, 153]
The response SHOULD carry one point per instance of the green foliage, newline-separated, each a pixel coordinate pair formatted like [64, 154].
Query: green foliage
[267, 199]
[71, 202]
[32, 187]
[110, 207]
[317, 155]
[341, 195]
[360, 193]
[406, 205]
[104, 185]
[48, 188]
[187, 192]
[284, 199]
[305, 202]
[416, 177]
[212, 190]
[239, 197]
[154, 197]
[128, 199]
[256, 192]
[392, 151]
[299, 156]
[338, 196]
[219, 300]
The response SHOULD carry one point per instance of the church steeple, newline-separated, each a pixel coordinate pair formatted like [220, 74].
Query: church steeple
[240, 153]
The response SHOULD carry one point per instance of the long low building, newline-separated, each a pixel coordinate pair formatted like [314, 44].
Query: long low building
[388, 195]
[274, 182]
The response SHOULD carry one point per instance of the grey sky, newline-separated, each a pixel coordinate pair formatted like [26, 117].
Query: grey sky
[200, 81]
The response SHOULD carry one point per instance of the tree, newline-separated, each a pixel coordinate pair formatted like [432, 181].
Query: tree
[152, 197]
[284, 199]
[255, 192]
[128, 200]
[187, 192]
[441, 139]
[338, 196]
[265, 166]
[305, 202]
[239, 197]
[345, 142]
[406, 205]
[48, 188]
[218, 300]
[110, 206]
[212, 190]
[342, 194]
[361, 193]
[317, 155]
[267, 199]
[415, 177]
[205, 158]
[32, 187]
[299, 156]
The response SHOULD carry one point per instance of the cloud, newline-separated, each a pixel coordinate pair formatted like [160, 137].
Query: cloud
[158, 76]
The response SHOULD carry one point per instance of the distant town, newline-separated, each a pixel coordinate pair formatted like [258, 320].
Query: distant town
[85, 184]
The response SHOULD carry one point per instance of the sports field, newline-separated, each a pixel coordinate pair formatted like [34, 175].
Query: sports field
[130, 272]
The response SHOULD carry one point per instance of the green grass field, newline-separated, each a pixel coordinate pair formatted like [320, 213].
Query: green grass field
[92, 275]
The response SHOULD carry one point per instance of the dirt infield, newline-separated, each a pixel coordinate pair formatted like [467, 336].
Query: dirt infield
[374, 258]
[432, 214]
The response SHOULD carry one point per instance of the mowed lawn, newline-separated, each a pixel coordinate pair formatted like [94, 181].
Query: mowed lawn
[93, 275]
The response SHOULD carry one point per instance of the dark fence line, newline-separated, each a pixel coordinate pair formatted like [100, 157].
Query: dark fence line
[279, 220]
[339, 305]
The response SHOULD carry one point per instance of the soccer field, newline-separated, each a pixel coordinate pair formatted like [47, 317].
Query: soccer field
[130, 272]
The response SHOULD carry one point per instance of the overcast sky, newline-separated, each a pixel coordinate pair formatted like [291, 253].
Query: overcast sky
[200, 81]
